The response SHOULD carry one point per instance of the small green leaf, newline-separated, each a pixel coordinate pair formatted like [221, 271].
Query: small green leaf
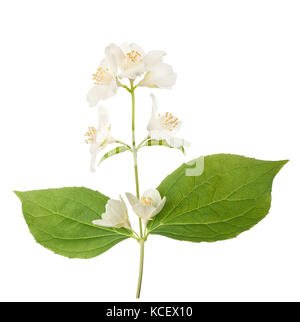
[229, 197]
[113, 152]
[153, 142]
[61, 220]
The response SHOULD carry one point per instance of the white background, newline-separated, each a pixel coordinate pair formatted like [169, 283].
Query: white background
[238, 65]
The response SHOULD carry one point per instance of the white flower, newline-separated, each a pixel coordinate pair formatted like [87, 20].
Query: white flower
[129, 58]
[115, 215]
[100, 137]
[165, 127]
[148, 206]
[133, 62]
[105, 82]
[159, 75]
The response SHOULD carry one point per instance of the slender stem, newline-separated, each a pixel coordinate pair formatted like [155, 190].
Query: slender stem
[136, 175]
[133, 113]
[122, 85]
[140, 145]
[137, 187]
[135, 152]
[145, 232]
[127, 89]
[135, 235]
[127, 146]
[138, 291]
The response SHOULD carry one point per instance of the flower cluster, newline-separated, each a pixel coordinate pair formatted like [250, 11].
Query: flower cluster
[129, 61]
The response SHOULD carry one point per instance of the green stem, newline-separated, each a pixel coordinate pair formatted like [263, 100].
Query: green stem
[140, 145]
[145, 233]
[138, 291]
[134, 150]
[137, 187]
[126, 145]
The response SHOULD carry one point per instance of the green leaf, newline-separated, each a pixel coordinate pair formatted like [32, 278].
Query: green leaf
[153, 142]
[229, 197]
[61, 220]
[113, 152]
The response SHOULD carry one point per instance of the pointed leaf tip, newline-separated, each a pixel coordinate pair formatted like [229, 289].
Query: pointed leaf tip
[18, 193]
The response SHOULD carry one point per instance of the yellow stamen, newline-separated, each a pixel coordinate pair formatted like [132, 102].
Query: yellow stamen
[134, 56]
[91, 135]
[169, 121]
[146, 201]
[98, 77]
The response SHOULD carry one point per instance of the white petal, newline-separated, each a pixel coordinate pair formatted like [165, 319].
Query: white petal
[101, 140]
[134, 72]
[101, 92]
[143, 211]
[115, 215]
[115, 212]
[115, 56]
[154, 104]
[123, 204]
[103, 117]
[127, 225]
[115, 206]
[133, 200]
[157, 133]
[105, 64]
[161, 133]
[154, 128]
[94, 95]
[101, 222]
[161, 75]
[126, 222]
[103, 136]
[94, 152]
[159, 207]
[111, 89]
[131, 69]
[110, 67]
[177, 142]
[154, 195]
[128, 47]
[152, 58]
[153, 123]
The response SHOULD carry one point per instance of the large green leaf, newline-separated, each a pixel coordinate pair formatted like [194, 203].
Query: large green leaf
[61, 220]
[229, 197]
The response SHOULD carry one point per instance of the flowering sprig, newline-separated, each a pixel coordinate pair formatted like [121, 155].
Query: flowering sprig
[208, 199]
[130, 62]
